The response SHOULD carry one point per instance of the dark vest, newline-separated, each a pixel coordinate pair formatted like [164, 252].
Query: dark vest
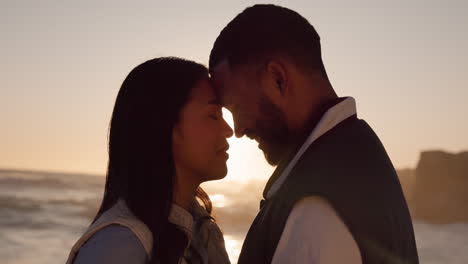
[349, 167]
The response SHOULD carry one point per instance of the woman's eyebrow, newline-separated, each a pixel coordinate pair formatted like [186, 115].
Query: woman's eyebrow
[214, 102]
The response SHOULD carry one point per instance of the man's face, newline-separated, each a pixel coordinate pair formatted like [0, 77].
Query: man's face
[241, 92]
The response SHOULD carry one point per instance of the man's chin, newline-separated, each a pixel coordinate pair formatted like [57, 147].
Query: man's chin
[272, 159]
[273, 152]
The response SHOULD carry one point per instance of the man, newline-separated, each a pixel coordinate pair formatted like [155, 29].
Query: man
[334, 196]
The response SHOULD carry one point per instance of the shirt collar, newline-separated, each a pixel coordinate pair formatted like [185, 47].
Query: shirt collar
[182, 218]
[332, 117]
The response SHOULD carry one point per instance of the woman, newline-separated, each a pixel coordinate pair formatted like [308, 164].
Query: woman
[167, 136]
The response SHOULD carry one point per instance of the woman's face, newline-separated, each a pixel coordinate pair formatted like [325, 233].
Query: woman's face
[199, 139]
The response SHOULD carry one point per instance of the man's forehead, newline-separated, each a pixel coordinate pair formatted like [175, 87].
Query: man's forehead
[222, 70]
[221, 79]
[229, 84]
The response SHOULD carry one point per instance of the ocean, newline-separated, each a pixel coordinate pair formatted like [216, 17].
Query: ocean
[42, 214]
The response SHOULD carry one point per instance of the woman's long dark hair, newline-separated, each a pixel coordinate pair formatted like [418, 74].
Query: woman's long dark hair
[141, 167]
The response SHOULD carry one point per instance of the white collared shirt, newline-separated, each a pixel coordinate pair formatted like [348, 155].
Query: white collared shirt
[314, 233]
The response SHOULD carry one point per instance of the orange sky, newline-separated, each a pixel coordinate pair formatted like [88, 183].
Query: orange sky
[63, 63]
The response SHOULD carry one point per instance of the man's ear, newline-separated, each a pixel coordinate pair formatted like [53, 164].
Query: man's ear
[277, 81]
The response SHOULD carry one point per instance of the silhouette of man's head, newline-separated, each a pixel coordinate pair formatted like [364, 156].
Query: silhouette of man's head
[267, 69]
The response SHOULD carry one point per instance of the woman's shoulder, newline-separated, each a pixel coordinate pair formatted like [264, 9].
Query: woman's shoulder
[112, 244]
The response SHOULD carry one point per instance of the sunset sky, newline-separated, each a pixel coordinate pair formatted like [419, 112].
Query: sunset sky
[62, 63]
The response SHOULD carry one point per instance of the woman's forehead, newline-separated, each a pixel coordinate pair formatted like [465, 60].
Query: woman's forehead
[204, 92]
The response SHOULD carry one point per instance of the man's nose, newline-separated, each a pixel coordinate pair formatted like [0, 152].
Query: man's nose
[239, 127]
[239, 130]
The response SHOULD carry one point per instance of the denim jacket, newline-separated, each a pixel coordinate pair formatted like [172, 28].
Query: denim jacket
[119, 237]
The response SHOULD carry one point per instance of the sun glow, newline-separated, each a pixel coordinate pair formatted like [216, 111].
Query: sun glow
[246, 162]
[233, 247]
[218, 200]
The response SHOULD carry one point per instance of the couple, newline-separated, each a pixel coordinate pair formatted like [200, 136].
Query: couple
[333, 198]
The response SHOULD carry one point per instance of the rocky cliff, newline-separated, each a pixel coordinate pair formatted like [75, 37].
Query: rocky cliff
[437, 190]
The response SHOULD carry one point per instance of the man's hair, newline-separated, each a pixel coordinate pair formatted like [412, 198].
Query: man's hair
[263, 31]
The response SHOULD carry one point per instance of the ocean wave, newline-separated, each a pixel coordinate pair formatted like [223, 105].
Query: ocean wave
[28, 204]
[49, 179]
[16, 203]
[29, 211]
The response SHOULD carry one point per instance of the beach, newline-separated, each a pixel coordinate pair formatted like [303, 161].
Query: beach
[42, 214]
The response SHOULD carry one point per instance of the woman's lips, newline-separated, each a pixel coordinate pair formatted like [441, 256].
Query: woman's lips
[223, 152]
[224, 155]
[225, 148]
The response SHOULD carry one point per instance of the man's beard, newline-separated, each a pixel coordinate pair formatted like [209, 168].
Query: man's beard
[273, 132]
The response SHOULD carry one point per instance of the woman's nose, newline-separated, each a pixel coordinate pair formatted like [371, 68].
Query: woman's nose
[228, 130]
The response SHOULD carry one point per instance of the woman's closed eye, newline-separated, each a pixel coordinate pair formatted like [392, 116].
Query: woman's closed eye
[215, 114]
[214, 117]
